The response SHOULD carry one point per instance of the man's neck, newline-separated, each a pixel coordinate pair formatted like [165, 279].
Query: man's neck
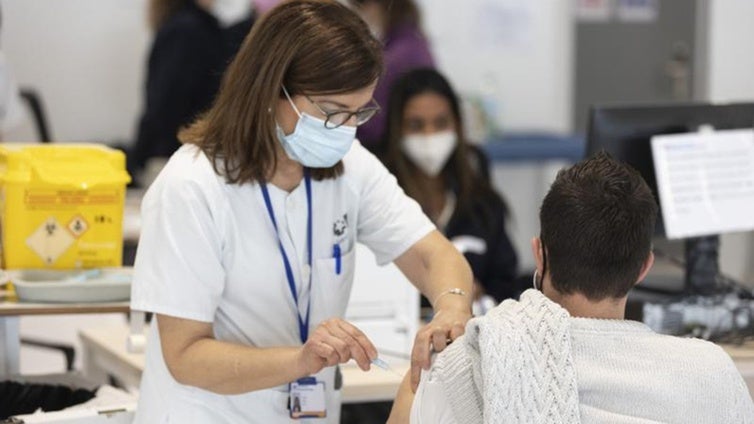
[579, 306]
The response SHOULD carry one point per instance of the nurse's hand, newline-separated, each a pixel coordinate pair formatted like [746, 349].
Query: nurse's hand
[336, 342]
[447, 325]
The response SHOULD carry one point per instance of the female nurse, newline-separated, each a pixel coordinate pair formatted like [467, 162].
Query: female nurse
[247, 248]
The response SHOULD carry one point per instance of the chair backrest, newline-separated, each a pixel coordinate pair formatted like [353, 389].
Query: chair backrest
[34, 101]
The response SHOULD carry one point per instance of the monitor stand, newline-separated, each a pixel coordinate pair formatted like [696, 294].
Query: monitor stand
[702, 269]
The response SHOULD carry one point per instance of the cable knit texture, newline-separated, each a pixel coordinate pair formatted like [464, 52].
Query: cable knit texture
[526, 374]
[521, 363]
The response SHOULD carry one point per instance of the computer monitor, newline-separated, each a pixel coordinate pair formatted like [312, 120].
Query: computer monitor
[625, 133]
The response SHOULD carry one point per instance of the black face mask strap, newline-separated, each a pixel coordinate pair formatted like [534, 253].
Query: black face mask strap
[544, 262]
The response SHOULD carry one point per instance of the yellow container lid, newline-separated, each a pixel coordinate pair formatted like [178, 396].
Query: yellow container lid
[78, 166]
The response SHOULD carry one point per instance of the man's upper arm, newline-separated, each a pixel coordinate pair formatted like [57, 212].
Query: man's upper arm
[431, 404]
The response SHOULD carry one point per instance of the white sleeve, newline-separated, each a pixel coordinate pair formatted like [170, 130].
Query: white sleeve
[178, 269]
[431, 405]
[389, 221]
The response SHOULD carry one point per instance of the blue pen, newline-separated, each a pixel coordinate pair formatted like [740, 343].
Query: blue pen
[336, 255]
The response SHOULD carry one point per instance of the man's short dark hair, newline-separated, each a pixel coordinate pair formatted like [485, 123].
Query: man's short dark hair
[597, 224]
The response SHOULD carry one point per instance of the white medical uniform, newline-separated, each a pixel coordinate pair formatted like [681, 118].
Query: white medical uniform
[208, 252]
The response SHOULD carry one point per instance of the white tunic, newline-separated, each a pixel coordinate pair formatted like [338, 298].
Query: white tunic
[208, 252]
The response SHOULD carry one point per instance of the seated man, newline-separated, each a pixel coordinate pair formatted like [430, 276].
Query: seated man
[564, 353]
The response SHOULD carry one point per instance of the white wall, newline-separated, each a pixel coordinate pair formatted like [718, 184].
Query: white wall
[519, 54]
[519, 51]
[731, 61]
[85, 57]
[731, 78]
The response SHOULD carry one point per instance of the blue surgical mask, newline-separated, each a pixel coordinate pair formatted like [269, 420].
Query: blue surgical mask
[313, 145]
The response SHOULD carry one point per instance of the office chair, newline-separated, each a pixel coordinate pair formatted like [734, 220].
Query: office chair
[34, 102]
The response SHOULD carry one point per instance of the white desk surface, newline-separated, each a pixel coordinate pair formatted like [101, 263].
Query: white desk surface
[105, 351]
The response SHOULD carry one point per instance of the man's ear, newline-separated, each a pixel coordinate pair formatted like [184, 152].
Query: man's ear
[646, 267]
[536, 250]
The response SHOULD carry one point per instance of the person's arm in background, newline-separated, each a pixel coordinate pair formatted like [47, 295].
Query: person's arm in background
[436, 267]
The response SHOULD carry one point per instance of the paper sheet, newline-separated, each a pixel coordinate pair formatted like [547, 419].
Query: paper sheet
[705, 181]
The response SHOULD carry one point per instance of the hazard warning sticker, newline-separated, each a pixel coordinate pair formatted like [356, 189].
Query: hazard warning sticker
[78, 226]
[50, 240]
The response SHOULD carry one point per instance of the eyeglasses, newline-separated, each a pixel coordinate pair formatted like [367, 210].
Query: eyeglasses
[336, 118]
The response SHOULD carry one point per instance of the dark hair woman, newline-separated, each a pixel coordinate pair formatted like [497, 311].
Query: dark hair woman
[428, 153]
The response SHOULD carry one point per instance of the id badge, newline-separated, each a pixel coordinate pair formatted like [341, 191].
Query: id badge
[307, 399]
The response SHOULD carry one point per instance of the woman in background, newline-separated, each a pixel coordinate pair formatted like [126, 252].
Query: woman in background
[427, 152]
[397, 24]
[194, 42]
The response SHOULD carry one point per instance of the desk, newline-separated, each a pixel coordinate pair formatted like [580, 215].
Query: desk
[105, 353]
[10, 312]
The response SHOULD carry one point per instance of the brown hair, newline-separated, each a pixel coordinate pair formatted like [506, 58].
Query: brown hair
[597, 224]
[160, 10]
[311, 47]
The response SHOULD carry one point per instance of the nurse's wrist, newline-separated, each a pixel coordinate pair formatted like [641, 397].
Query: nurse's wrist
[303, 365]
[453, 300]
[453, 303]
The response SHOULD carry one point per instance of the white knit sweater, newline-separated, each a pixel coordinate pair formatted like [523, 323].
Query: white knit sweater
[623, 373]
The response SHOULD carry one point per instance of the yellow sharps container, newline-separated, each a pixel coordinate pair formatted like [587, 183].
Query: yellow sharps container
[61, 205]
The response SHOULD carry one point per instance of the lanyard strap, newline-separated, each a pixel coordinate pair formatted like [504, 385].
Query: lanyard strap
[303, 323]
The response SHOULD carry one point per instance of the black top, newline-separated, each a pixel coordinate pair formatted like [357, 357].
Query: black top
[188, 57]
[495, 269]
[484, 219]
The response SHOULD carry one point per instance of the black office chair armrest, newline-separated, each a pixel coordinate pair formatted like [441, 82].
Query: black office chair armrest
[34, 100]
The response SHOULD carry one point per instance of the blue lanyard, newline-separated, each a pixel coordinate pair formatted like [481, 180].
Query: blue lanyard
[303, 323]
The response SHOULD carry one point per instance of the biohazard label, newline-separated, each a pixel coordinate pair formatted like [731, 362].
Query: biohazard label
[78, 226]
[50, 240]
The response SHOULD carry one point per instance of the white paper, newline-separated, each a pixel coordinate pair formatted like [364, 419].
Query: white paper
[504, 23]
[593, 10]
[705, 181]
[638, 11]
